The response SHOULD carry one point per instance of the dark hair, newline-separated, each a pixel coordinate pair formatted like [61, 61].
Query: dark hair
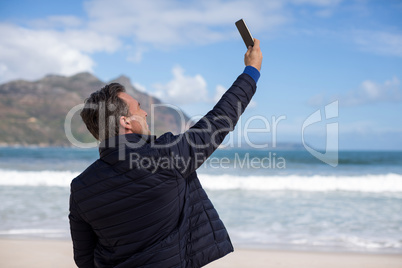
[102, 111]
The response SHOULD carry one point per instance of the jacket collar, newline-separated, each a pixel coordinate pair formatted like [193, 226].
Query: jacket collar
[132, 140]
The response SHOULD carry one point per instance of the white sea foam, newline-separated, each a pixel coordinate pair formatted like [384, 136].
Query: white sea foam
[36, 178]
[317, 183]
[48, 233]
[317, 242]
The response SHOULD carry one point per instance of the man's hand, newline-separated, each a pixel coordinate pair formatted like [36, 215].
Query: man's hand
[253, 56]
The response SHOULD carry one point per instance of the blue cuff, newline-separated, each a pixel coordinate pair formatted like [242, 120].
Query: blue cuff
[253, 72]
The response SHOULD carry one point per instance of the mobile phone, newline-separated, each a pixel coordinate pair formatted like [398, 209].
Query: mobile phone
[245, 33]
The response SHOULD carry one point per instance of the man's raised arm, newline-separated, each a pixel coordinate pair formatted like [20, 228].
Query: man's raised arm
[195, 145]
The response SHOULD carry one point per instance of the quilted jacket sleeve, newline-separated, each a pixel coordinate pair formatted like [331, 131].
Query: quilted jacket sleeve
[194, 146]
[84, 238]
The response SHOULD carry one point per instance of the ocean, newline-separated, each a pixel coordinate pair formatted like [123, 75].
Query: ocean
[266, 198]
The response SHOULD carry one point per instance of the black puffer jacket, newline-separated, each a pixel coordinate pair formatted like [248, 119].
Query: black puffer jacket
[142, 205]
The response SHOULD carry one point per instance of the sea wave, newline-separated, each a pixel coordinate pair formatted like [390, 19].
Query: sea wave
[316, 183]
[323, 242]
[45, 233]
[37, 178]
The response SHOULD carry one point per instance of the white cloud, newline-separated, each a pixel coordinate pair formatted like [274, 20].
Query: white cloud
[57, 21]
[219, 91]
[64, 44]
[182, 89]
[325, 7]
[88, 41]
[252, 104]
[3, 69]
[140, 87]
[368, 92]
[164, 23]
[371, 91]
[30, 54]
[136, 54]
[384, 43]
[322, 3]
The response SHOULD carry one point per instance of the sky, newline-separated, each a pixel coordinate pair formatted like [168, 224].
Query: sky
[330, 79]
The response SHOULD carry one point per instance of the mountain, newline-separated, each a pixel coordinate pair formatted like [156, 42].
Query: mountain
[34, 113]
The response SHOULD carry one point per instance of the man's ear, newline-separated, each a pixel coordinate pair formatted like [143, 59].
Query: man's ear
[124, 122]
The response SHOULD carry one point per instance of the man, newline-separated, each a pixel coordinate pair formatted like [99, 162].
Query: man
[141, 204]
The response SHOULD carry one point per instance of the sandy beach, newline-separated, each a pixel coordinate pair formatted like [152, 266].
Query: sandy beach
[49, 253]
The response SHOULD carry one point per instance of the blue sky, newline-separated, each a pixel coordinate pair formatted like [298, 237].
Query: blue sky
[187, 52]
